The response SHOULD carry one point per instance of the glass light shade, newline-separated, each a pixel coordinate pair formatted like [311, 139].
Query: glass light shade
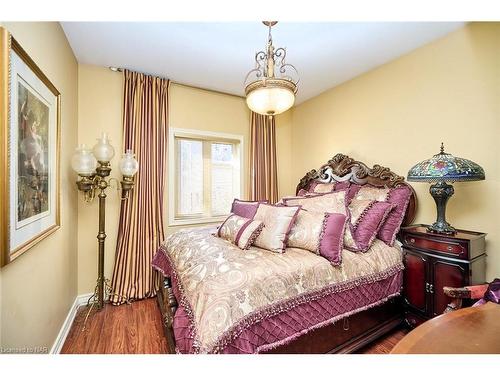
[83, 162]
[128, 164]
[446, 167]
[270, 100]
[103, 151]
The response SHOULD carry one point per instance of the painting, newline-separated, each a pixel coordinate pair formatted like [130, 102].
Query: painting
[29, 126]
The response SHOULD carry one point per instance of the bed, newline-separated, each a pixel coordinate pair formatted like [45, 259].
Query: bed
[214, 299]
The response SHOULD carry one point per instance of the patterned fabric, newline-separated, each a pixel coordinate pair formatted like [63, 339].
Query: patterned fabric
[330, 202]
[320, 233]
[240, 231]
[263, 165]
[278, 221]
[398, 196]
[223, 293]
[140, 231]
[306, 231]
[322, 188]
[245, 208]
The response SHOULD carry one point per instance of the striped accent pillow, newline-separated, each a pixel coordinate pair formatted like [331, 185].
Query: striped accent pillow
[240, 231]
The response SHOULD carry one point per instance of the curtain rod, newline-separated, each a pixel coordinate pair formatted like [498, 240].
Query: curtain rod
[119, 70]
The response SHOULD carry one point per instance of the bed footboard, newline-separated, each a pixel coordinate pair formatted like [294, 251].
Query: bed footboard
[168, 306]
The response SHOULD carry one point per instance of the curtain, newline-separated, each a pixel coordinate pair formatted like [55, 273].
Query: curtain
[263, 167]
[145, 130]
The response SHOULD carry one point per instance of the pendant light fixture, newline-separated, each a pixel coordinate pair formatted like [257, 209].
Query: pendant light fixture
[269, 88]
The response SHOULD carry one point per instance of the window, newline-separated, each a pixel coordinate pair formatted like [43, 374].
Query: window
[205, 175]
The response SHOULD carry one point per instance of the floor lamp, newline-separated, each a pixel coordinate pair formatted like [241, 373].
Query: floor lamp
[93, 168]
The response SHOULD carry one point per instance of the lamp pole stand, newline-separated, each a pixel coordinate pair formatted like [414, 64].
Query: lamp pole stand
[441, 192]
[89, 184]
[101, 237]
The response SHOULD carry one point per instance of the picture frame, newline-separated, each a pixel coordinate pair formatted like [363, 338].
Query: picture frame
[30, 119]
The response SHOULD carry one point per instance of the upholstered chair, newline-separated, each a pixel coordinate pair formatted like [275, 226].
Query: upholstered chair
[483, 293]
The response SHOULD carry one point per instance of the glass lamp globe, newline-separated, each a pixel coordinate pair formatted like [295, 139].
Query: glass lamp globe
[270, 100]
[103, 151]
[83, 162]
[128, 164]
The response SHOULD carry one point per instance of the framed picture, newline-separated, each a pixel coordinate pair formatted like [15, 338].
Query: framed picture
[29, 147]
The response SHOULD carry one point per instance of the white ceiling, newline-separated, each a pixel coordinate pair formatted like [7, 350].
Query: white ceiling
[217, 56]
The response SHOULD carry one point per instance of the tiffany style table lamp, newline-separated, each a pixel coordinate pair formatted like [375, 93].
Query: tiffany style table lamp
[440, 169]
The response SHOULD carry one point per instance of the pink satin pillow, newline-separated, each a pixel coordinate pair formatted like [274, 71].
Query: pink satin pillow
[245, 208]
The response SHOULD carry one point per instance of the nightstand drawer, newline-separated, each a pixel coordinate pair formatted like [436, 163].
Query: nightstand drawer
[456, 249]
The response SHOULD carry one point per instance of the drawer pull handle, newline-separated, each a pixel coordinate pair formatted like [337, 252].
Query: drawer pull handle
[449, 248]
[412, 240]
[427, 287]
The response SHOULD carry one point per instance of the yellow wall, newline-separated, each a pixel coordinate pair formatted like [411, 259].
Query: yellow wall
[38, 288]
[397, 115]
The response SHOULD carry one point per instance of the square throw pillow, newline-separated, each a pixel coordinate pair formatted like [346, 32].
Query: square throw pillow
[330, 202]
[320, 233]
[398, 196]
[240, 231]
[366, 218]
[278, 221]
[245, 208]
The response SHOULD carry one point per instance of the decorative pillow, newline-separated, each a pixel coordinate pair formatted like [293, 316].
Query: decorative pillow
[330, 202]
[321, 187]
[302, 192]
[366, 218]
[398, 196]
[325, 187]
[245, 208]
[278, 221]
[240, 231]
[320, 233]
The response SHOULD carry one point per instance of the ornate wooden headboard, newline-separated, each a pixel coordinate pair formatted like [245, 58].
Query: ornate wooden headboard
[343, 168]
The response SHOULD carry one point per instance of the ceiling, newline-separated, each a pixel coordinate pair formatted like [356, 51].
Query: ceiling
[217, 56]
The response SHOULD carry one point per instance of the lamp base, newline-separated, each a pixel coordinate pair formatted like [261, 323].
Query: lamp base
[95, 303]
[441, 192]
[441, 228]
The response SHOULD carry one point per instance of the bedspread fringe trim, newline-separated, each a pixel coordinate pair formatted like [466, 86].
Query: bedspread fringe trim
[268, 311]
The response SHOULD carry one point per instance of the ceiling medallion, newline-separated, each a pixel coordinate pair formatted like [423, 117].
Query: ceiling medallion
[269, 89]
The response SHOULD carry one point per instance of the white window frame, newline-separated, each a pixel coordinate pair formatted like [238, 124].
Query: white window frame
[172, 182]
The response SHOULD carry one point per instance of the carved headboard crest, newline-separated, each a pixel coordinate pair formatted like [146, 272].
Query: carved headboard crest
[343, 168]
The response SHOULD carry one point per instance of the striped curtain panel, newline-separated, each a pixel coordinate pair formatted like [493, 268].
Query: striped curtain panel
[263, 166]
[145, 128]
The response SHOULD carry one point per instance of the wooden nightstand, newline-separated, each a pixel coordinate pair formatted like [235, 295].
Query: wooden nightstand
[433, 261]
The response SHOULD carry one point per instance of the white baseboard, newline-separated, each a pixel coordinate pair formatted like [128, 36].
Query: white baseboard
[63, 332]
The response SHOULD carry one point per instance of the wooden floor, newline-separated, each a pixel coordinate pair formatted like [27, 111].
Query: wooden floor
[125, 329]
[137, 329]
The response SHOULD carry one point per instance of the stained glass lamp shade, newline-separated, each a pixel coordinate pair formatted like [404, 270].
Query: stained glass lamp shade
[440, 169]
